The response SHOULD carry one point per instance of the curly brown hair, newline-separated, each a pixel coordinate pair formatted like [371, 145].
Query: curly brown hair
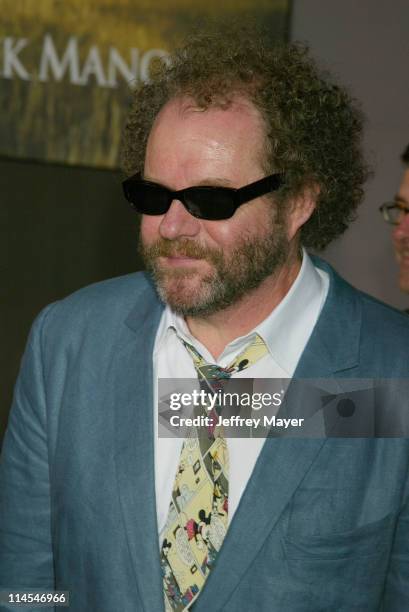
[313, 126]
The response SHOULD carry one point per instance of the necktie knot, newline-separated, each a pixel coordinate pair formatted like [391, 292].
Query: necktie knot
[252, 353]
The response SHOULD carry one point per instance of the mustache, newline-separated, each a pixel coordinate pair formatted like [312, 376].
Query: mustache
[179, 248]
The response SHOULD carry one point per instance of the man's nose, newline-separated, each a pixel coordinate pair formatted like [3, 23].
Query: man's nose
[178, 222]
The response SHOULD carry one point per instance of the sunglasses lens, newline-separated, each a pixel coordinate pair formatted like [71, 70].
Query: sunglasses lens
[210, 203]
[146, 198]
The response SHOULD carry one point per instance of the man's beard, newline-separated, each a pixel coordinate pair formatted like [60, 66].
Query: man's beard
[231, 277]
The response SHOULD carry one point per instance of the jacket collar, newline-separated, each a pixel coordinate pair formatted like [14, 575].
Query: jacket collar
[334, 343]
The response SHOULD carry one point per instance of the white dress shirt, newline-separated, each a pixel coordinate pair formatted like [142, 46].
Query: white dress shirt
[285, 332]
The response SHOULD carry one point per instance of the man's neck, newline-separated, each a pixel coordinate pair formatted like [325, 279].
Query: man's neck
[217, 330]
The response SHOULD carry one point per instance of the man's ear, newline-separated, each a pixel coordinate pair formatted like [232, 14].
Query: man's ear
[301, 209]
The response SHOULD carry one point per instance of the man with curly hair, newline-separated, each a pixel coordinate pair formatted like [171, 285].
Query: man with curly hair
[240, 156]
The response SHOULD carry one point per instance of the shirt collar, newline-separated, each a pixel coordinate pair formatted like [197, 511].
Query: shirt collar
[288, 327]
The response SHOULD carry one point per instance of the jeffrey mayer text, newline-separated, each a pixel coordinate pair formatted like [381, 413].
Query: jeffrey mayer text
[234, 421]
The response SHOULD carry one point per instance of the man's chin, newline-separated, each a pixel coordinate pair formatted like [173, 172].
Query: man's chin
[184, 293]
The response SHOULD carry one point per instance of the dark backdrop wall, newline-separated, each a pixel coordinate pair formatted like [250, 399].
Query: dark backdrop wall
[61, 228]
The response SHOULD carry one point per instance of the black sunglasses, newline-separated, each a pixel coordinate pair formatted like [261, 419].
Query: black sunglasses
[211, 203]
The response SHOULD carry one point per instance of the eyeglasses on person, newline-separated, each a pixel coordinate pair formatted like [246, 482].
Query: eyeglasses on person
[394, 212]
[210, 203]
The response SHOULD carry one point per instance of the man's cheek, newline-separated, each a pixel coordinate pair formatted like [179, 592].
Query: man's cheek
[397, 243]
[149, 229]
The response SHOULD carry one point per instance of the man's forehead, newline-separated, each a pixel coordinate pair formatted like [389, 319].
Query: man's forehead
[237, 110]
[187, 136]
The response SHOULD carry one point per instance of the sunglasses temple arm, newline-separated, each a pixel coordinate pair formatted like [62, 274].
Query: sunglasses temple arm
[259, 188]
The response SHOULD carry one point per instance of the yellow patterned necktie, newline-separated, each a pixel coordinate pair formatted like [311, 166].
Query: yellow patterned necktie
[198, 513]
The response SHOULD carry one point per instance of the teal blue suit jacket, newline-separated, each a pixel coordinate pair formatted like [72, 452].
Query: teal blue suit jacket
[323, 524]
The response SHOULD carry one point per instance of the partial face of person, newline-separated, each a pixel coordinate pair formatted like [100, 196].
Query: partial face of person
[201, 266]
[401, 235]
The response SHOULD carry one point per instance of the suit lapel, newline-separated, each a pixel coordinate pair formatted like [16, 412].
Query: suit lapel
[135, 447]
[333, 348]
[283, 462]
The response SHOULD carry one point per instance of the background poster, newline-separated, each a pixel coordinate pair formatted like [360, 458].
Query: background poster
[67, 67]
